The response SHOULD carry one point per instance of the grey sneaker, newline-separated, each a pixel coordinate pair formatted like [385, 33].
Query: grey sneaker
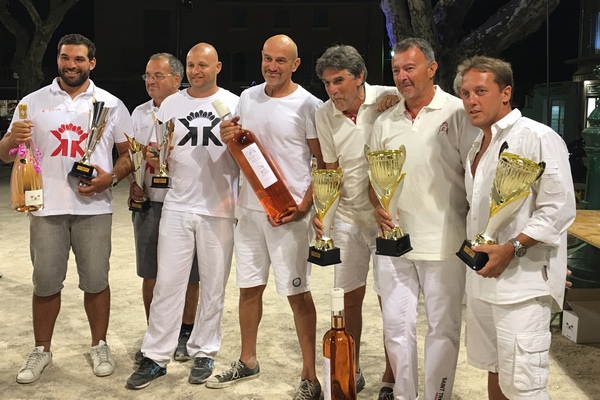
[102, 362]
[181, 353]
[385, 393]
[236, 373]
[146, 373]
[360, 381]
[138, 357]
[308, 390]
[35, 364]
[201, 370]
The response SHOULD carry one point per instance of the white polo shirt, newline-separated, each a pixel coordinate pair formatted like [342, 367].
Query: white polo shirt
[432, 203]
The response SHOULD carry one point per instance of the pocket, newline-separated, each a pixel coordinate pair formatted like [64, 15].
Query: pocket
[531, 360]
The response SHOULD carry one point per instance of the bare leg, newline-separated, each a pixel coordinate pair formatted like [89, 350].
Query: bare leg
[147, 291]
[191, 303]
[45, 311]
[494, 391]
[353, 302]
[97, 308]
[305, 319]
[388, 374]
[250, 313]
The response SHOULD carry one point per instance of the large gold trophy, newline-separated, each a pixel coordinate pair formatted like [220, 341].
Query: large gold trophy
[84, 169]
[326, 196]
[514, 176]
[136, 153]
[164, 131]
[387, 179]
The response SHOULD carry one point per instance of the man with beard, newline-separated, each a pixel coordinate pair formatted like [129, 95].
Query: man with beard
[75, 216]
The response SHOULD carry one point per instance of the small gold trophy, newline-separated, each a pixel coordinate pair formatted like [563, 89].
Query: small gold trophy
[164, 131]
[514, 176]
[326, 196]
[136, 153]
[387, 179]
[97, 123]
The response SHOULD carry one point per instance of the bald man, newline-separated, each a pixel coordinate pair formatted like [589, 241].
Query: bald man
[197, 218]
[282, 116]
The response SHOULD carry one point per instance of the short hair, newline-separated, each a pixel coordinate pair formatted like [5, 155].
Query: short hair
[77, 39]
[175, 66]
[419, 43]
[502, 71]
[340, 57]
[456, 84]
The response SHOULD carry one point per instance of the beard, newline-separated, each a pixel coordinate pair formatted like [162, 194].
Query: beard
[74, 81]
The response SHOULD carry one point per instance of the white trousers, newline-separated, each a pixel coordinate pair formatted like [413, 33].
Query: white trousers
[399, 282]
[181, 235]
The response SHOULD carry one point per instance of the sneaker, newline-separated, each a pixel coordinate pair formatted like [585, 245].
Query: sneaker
[236, 373]
[146, 372]
[181, 353]
[102, 362]
[201, 370]
[386, 393]
[360, 381]
[308, 390]
[138, 357]
[35, 364]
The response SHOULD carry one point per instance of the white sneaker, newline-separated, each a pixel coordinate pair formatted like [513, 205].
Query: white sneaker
[35, 364]
[102, 361]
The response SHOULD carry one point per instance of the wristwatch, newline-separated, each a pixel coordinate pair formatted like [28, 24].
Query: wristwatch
[520, 250]
[114, 180]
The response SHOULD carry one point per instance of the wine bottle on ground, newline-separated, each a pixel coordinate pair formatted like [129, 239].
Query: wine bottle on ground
[339, 354]
[26, 185]
[259, 170]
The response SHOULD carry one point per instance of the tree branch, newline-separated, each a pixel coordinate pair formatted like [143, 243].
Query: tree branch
[421, 17]
[397, 19]
[35, 16]
[448, 17]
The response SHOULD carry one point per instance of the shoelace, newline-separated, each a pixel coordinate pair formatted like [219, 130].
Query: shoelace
[34, 359]
[102, 354]
[306, 391]
[234, 371]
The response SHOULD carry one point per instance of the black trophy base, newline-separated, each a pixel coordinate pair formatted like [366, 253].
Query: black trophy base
[474, 260]
[139, 206]
[161, 182]
[82, 171]
[393, 247]
[324, 257]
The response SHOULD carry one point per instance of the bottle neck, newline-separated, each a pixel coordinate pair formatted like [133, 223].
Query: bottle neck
[337, 320]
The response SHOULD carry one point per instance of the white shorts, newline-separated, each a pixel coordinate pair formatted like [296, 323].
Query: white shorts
[259, 245]
[514, 341]
[357, 247]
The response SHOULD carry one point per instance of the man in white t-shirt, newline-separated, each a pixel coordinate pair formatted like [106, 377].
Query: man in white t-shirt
[280, 113]
[197, 221]
[436, 132]
[162, 78]
[75, 216]
[509, 300]
[344, 125]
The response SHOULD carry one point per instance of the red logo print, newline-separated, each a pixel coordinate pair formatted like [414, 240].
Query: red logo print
[444, 128]
[63, 147]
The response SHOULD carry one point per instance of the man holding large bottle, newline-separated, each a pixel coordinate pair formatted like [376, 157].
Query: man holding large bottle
[280, 114]
[437, 135]
[197, 221]
[344, 125]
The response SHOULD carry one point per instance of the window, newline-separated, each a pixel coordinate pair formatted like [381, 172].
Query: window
[239, 18]
[238, 67]
[282, 19]
[557, 110]
[595, 33]
[321, 18]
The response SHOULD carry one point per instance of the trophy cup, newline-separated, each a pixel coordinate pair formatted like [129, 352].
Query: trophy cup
[164, 131]
[387, 179]
[136, 154]
[326, 196]
[83, 169]
[514, 176]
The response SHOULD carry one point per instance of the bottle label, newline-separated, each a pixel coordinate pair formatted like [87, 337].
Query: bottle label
[259, 165]
[34, 197]
[326, 378]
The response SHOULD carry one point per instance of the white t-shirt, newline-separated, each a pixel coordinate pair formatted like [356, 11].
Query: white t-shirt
[144, 130]
[282, 126]
[343, 141]
[544, 216]
[204, 175]
[432, 203]
[61, 127]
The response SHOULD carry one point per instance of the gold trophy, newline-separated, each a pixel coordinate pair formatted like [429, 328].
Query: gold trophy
[387, 179]
[164, 131]
[136, 153]
[83, 169]
[326, 196]
[514, 176]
